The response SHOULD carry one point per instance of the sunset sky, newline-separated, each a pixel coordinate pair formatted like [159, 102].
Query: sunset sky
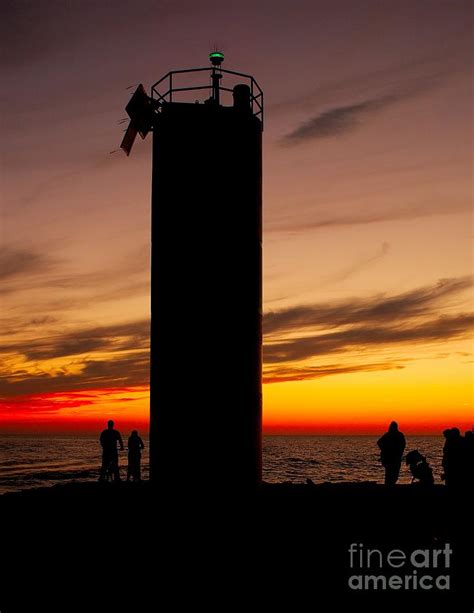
[367, 204]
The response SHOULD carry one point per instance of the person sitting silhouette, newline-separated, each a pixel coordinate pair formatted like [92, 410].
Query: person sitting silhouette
[108, 440]
[392, 445]
[420, 469]
[135, 446]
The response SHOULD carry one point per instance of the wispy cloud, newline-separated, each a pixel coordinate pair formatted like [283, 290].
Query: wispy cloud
[96, 373]
[118, 355]
[322, 220]
[342, 118]
[282, 374]
[358, 266]
[408, 70]
[375, 310]
[337, 120]
[16, 262]
[94, 357]
[58, 287]
[349, 327]
[48, 347]
[117, 338]
[302, 348]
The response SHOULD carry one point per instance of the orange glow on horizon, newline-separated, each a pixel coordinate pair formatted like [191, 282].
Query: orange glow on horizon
[88, 410]
[83, 410]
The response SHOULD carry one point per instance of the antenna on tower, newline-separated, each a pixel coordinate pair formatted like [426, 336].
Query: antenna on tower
[216, 58]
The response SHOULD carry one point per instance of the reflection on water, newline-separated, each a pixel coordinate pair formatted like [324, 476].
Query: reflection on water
[33, 462]
[337, 458]
[36, 462]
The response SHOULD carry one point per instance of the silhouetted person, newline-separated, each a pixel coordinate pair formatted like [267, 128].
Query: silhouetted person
[135, 446]
[108, 440]
[420, 469]
[392, 445]
[455, 458]
[445, 461]
[469, 448]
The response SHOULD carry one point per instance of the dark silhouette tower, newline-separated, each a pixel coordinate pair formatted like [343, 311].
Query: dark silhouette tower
[206, 295]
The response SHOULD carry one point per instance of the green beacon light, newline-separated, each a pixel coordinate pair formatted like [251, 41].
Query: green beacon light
[216, 58]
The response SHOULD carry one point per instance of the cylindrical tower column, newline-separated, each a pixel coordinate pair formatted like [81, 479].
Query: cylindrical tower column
[206, 340]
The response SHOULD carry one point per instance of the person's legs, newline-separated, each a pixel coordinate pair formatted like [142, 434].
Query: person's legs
[104, 468]
[134, 467]
[396, 471]
[114, 467]
[392, 472]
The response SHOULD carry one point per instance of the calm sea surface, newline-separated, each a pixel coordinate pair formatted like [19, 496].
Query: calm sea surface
[27, 462]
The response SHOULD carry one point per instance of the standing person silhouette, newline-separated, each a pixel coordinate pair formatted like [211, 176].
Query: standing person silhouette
[454, 458]
[108, 440]
[392, 445]
[469, 458]
[135, 446]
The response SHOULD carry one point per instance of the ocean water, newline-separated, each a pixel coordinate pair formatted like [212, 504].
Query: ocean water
[27, 462]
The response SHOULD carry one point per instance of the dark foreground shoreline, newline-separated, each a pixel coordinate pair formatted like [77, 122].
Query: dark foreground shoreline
[285, 545]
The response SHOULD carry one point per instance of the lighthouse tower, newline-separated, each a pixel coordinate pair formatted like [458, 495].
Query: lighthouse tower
[206, 275]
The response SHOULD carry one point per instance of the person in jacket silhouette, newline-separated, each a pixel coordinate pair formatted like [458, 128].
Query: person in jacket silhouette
[455, 458]
[392, 445]
[108, 441]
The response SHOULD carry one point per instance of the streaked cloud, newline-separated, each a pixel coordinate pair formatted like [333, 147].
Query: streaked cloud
[102, 356]
[302, 348]
[388, 87]
[312, 332]
[117, 338]
[15, 262]
[106, 356]
[337, 120]
[358, 266]
[374, 310]
[59, 286]
[322, 220]
[282, 374]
